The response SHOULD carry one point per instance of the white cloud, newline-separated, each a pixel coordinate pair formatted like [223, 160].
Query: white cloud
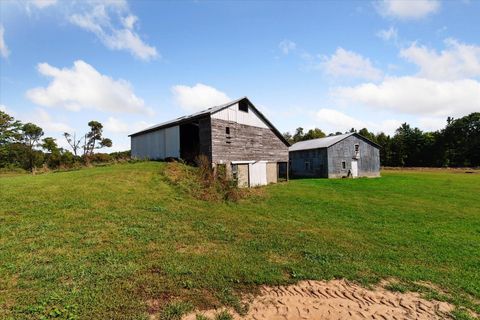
[457, 61]
[287, 46]
[432, 123]
[4, 52]
[43, 119]
[344, 63]
[83, 87]
[416, 96]
[43, 3]
[331, 120]
[407, 9]
[3, 108]
[388, 34]
[117, 125]
[198, 97]
[99, 18]
[338, 120]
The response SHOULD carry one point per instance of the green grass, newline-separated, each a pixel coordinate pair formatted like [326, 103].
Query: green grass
[120, 242]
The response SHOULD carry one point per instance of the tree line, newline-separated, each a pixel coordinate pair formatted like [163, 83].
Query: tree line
[23, 145]
[456, 145]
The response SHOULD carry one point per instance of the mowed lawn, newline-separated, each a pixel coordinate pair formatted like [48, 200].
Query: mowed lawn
[121, 242]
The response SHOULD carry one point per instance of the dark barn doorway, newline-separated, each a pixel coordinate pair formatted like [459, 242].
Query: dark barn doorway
[189, 142]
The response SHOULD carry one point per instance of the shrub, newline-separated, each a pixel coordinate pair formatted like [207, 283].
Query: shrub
[203, 181]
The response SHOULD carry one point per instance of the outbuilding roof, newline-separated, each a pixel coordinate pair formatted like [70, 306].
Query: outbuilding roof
[324, 142]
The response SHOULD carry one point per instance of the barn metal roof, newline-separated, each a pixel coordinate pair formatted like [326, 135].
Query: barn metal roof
[325, 142]
[212, 110]
[318, 143]
[183, 119]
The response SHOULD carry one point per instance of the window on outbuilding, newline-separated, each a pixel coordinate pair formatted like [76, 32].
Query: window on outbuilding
[308, 165]
[344, 165]
[227, 130]
[243, 105]
[356, 153]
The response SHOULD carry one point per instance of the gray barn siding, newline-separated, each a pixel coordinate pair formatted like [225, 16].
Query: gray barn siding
[317, 159]
[245, 143]
[368, 163]
[205, 136]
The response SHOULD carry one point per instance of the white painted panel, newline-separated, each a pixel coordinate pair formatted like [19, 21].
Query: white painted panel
[258, 173]
[250, 118]
[172, 142]
[354, 168]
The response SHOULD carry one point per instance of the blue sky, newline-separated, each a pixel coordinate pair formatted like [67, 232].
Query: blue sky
[332, 65]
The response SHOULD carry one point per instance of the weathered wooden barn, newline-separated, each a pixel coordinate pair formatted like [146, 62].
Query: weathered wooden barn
[345, 155]
[234, 135]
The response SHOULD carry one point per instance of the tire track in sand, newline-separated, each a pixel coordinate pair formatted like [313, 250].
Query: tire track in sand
[337, 299]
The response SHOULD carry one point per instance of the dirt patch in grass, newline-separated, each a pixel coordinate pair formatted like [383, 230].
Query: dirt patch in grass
[336, 299]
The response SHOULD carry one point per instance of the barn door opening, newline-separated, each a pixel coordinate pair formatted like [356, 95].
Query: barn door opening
[354, 168]
[189, 142]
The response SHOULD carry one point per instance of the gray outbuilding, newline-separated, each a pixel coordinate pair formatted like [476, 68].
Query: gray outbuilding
[235, 136]
[345, 155]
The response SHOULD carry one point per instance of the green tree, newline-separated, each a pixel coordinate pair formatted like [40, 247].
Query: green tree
[298, 136]
[288, 136]
[94, 138]
[314, 134]
[31, 135]
[54, 153]
[10, 138]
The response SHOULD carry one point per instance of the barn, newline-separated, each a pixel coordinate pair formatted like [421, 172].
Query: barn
[345, 155]
[235, 136]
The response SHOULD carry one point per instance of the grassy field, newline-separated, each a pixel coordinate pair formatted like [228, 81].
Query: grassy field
[122, 242]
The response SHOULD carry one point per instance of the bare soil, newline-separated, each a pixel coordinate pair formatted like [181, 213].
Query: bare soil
[336, 299]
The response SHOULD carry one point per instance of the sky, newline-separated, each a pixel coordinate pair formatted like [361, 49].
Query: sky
[327, 64]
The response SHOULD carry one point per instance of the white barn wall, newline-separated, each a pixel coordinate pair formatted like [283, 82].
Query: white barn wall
[156, 145]
[250, 118]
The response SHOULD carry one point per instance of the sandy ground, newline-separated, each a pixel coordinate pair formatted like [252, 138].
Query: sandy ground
[337, 299]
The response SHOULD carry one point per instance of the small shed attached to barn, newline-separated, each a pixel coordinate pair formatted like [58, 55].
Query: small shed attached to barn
[345, 155]
[235, 135]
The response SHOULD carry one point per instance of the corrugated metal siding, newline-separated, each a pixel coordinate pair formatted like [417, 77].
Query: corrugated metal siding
[157, 145]
[250, 118]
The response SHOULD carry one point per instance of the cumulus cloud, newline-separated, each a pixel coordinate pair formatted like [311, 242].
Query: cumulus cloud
[338, 119]
[83, 87]
[43, 3]
[457, 61]
[4, 52]
[116, 125]
[388, 34]
[46, 122]
[333, 120]
[287, 46]
[344, 63]
[404, 9]
[432, 123]
[3, 108]
[416, 95]
[198, 97]
[100, 18]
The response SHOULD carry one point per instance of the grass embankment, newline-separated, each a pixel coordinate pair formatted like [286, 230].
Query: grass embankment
[124, 241]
